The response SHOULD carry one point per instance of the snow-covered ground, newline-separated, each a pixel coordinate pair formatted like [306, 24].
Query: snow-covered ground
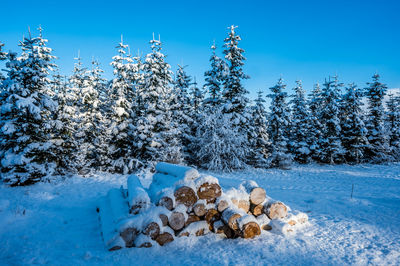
[57, 224]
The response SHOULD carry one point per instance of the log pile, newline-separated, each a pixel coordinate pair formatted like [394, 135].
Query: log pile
[181, 203]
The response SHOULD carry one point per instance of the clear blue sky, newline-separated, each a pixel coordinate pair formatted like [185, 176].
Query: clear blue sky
[307, 40]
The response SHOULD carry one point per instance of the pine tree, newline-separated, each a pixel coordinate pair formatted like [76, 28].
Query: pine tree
[214, 79]
[378, 148]
[122, 101]
[393, 124]
[354, 132]
[26, 108]
[299, 132]
[157, 134]
[234, 93]
[259, 140]
[331, 146]
[278, 126]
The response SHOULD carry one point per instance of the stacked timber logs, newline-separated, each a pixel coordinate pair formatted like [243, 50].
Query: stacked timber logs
[181, 203]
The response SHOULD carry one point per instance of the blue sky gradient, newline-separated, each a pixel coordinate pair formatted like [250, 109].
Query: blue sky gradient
[307, 40]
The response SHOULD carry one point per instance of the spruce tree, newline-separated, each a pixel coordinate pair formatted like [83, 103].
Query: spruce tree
[259, 140]
[278, 126]
[299, 132]
[378, 148]
[315, 138]
[214, 79]
[26, 108]
[354, 132]
[3, 56]
[157, 134]
[331, 146]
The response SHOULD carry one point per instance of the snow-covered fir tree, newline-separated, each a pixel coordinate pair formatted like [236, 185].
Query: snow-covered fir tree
[259, 140]
[3, 56]
[278, 126]
[393, 124]
[315, 138]
[26, 107]
[379, 148]
[234, 93]
[157, 134]
[300, 126]
[122, 100]
[220, 144]
[354, 133]
[214, 79]
[331, 146]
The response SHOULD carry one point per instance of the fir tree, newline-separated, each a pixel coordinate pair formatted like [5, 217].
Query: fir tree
[157, 135]
[315, 138]
[3, 56]
[354, 132]
[26, 108]
[299, 132]
[278, 125]
[259, 140]
[378, 148]
[331, 146]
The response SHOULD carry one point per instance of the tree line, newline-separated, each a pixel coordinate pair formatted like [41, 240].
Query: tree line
[52, 125]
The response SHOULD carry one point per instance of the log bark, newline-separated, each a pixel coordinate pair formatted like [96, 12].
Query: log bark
[152, 230]
[164, 238]
[176, 220]
[276, 210]
[181, 172]
[137, 197]
[230, 217]
[185, 195]
[209, 192]
[250, 230]
[199, 209]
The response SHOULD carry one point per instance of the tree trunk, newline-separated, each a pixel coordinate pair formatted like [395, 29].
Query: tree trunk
[230, 217]
[185, 195]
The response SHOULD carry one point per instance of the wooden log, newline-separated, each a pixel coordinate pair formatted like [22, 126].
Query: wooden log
[230, 233]
[143, 241]
[137, 196]
[243, 205]
[166, 202]
[250, 230]
[152, 230]
[129, 235]
[199, 228]
[257, 194]
[179, 171]
[212, 215]
[164, 238]
[264, 221]
[185, 195]
[230, 217]
[222, 205]
[275, 210]
[209, 192]
[191, 219]
[164, 219]
[199, 208]
[176, 220]
[257, 210]
[218, 227]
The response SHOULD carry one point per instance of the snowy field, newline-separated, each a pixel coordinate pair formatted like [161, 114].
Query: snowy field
[57, 224]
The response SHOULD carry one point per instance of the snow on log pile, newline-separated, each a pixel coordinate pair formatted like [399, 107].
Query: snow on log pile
[181, 203]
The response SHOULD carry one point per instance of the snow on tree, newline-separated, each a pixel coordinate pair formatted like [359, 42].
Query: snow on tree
[331, 146]
[220, 144]
[214, 79]
[378, 148]
[3, 56]
[393, 123]
[354, 132]
[122, 100]
[234, 93]
[259, 140]
[299, 131]
[315, 137]
[278, 126]
[26, 107]
[157, 136]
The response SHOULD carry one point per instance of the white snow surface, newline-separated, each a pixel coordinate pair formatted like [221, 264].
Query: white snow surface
[57, 223]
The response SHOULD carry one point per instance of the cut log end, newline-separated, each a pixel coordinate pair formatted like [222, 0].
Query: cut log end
[164, 219]
[191, 219]
[257, 195]
[164, 238]
[166, 202]
[276, 210]
[185, 195]
[176, 220]
[209, 192]
[251, 230]
[199, 209]
[129, 236]
[257, 210]
[222, 205]
[152, 230]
